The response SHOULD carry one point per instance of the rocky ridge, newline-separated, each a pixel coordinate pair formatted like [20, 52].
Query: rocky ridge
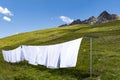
[102, 18]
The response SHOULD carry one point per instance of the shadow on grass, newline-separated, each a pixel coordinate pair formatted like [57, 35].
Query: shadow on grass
[66, 72]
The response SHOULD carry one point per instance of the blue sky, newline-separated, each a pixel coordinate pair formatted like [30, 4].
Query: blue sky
[17, 16]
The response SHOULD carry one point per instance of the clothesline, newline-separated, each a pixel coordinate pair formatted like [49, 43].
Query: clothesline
[61, 55]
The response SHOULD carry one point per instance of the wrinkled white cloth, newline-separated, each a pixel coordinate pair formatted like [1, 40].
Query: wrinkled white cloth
[61, 55]
[12, 56]
[42, 56]
[69, 53]
[53, 56]
[5, 55]
[25, 53]
[30, 54]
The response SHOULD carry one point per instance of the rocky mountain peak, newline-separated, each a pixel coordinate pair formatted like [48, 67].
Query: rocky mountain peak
[106, 17]
[78, 21]
[102, 18]
[90, 20]
[104, 14]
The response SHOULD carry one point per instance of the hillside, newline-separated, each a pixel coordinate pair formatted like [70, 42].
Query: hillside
[106, 53]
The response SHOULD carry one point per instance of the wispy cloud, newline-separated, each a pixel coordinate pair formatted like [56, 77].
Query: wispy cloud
[5, 11]
[6, 18]
[66, 19]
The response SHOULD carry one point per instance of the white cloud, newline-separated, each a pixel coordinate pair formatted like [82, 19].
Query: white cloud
[66, 19]
[5, 11]
[7, 18]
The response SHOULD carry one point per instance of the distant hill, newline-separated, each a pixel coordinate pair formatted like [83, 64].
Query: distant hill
[106, 53]
[102, 18]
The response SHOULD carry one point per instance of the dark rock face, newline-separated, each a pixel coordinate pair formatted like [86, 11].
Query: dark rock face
[104, 14]
[106, 17]
[76, 22]
[91, 20]
[102, 18]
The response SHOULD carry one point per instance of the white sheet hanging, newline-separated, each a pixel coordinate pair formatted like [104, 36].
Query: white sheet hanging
[42, 56]
[61, 55]
[53, 56]
[12, 55]
[69, 53]
[30, 53]
[25, 53]
[5, 55]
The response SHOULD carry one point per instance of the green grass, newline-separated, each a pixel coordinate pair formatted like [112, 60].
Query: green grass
[106, 53]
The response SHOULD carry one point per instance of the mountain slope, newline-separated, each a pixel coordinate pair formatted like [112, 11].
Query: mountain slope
[106, 57]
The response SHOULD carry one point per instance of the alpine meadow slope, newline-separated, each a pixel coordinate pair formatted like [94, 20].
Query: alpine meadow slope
[106, 53]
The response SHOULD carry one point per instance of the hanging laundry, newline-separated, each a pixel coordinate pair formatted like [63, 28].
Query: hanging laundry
[61, 55]
[5, 55]
[12, 56]
[69, 53]
[53, 56]
[30, 53]
[42, 56]
[25, 53]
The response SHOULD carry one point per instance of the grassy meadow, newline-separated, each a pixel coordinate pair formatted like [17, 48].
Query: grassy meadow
[106, 53]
